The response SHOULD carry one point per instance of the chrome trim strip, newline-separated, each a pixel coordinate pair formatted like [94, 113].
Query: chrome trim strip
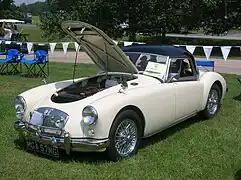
[66, 143]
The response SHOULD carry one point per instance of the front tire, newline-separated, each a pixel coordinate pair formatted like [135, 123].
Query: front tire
[213, 102]
[125, 135]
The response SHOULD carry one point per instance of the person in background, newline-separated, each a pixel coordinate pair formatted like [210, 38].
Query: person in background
[8, 32]
[14, 32]
[187, 71]
[7, 26]
[5, 32]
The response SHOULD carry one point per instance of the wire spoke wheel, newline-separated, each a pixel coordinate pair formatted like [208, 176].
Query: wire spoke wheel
[213, 101]
[126, 137]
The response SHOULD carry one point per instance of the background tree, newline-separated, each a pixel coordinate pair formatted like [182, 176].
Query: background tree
[136, 13]
[165, 17]
[35, 9]
[155, 17]
[100, 13]
[223, 16]
[9, 10]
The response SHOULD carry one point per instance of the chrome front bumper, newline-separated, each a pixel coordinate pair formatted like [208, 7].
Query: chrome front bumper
[65, 143]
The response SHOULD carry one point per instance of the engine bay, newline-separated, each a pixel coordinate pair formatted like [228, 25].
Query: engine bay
[88, 87]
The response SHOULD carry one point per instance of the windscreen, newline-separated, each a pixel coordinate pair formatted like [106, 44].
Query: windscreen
[150, 64]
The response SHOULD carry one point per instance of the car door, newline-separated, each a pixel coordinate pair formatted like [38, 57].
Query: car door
[159, 100]
[189, 90]
[188, 98]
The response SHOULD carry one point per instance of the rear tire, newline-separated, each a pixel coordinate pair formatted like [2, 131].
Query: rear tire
[213, 102]
[125, 135]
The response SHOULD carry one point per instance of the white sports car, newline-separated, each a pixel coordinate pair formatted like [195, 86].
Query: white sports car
[112, 110]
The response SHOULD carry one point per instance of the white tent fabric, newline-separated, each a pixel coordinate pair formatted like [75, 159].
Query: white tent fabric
[11, 21]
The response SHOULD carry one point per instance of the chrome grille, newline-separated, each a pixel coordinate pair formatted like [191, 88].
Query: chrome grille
[49, 120]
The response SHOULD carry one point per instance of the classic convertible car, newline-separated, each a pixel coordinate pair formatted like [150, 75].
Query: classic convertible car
[113, 110]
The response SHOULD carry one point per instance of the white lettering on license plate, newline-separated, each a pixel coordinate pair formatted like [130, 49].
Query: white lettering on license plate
[42, 148]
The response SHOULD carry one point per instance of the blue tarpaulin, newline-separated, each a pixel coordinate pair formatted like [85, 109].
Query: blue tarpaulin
[208, 64]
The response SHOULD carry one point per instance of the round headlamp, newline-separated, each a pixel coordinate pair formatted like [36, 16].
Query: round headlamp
[89, 115]
[20, 107]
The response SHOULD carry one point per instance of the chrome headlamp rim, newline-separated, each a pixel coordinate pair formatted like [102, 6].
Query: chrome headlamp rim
[20, 107]
[22, 102]
[91, 114]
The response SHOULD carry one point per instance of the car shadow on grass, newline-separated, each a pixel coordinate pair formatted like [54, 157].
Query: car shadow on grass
[84, 157]
[101, 157]
[172, 130]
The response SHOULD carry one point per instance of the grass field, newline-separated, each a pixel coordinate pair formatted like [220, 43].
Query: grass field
[195, 149]
[35, 19]
[34, 34]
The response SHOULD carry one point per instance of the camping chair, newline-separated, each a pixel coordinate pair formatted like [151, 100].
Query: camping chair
[40, 61]
[11, 61]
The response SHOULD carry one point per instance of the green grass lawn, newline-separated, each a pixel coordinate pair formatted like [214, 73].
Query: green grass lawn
[195, 149]
[35, 19]
[34, 33]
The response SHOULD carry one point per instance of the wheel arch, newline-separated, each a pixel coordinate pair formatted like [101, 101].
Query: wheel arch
[138, 111]
[219, 84]
[206, 93]
[209, 79]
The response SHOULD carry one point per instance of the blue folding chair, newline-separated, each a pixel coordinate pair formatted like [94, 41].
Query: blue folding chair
[11, 61]
[40, 61]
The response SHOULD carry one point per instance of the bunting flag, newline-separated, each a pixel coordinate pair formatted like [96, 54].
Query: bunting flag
[207, 51]
[52, 47]
[225, 51]
[65, 47]
[29, 47]
[116, 42]
[77, 46]
[127, 43]
[191, 49]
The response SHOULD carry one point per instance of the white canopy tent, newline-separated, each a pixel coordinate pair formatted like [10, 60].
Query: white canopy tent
[11, 21]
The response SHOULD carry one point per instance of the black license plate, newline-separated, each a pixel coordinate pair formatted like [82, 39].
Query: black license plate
[42, 148]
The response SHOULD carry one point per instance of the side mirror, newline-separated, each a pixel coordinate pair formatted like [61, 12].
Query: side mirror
[173, 76]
